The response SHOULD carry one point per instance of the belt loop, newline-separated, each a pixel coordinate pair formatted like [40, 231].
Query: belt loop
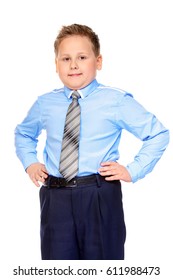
[48, 181]
[98, 180]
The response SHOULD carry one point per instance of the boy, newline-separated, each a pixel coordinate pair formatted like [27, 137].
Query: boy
[82, 213]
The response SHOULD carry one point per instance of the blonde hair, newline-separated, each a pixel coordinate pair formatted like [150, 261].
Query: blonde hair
[81, 30]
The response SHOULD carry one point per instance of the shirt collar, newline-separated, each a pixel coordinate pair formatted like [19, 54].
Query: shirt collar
[84, 92]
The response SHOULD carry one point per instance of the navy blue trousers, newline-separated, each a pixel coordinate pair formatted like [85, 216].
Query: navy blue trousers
[83, 223]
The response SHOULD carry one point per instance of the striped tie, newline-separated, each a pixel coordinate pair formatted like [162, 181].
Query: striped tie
[70, 143]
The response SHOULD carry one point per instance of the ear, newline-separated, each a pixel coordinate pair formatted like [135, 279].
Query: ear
[56, 64]
[99, 62]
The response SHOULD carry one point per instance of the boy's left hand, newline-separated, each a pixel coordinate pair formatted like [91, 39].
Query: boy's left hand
[114, 171]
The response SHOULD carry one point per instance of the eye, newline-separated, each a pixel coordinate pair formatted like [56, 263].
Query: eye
[82, 57]
[66, 59]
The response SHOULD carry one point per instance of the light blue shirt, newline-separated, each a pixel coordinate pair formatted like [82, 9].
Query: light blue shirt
[105, 112]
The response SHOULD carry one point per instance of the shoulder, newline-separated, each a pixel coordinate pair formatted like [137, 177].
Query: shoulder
[114, 92]
[51, 94]
[53, 97]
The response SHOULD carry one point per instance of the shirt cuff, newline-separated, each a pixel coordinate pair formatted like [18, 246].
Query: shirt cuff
[134, 172]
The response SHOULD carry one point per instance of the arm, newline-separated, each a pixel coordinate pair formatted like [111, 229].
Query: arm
[145, 126]
[26, 139]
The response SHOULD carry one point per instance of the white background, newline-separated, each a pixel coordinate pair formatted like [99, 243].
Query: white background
[137, 48]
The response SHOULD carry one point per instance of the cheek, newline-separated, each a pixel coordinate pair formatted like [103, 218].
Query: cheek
[92, 70]
[61, 70]
[56, 67]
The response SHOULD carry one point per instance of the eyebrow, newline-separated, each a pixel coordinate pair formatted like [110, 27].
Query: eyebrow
[66, 54]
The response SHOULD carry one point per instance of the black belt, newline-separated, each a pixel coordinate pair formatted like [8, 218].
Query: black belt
[57, 182]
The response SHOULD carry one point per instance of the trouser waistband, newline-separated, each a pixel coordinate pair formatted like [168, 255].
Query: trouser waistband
[57, 182]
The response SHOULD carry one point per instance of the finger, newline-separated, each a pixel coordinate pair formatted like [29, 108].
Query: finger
[107, 173]
[112, 178]
[106, 166]
[40, 178]
[36, 182]
[107, 169]
[43, 175]
[44, 169]
[108, 163]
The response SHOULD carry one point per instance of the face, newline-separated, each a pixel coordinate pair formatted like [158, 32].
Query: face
[76, 63]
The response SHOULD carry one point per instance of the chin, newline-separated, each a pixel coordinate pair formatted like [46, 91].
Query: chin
[75, 86]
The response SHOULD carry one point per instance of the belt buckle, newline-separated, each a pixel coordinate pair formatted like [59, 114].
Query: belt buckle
[72, 183]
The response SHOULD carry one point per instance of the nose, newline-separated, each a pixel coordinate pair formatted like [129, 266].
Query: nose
[73, 64]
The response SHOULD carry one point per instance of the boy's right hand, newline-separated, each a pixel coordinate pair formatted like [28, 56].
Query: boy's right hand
[37, 173]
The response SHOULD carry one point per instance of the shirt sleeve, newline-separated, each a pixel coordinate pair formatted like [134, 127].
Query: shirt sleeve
[26, 136]
[145, 126]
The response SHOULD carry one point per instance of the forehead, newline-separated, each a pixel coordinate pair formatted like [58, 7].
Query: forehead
[75, 43]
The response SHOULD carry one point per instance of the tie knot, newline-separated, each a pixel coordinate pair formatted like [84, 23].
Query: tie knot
[75, 94]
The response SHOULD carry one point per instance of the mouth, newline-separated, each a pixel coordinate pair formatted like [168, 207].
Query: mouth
[75, 75]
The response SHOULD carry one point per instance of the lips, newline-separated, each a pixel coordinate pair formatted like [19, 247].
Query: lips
[75, 75]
